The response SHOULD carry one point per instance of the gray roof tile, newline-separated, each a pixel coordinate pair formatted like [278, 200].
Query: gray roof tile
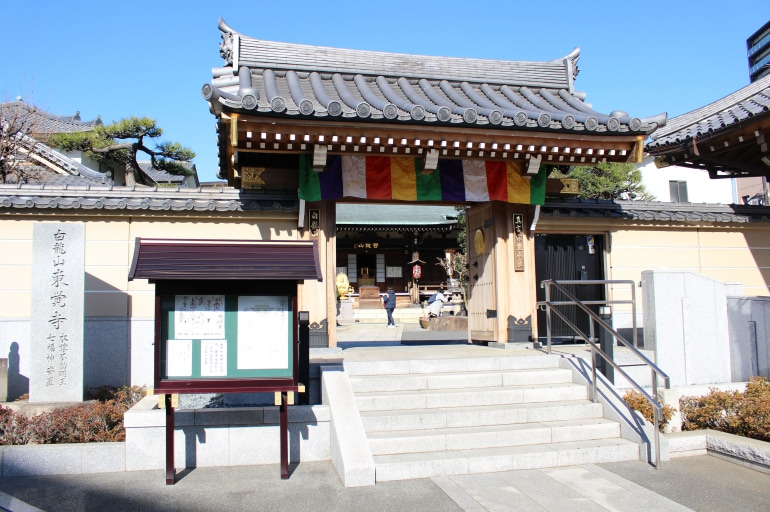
[43, 122]
[373, 214]
[287, 79]
[655, 211]
[752, 100]
[99, 197]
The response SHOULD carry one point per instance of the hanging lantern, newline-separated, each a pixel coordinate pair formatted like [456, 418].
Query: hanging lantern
[416, 272]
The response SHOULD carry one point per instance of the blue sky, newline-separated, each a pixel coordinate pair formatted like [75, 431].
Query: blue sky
[119, 59]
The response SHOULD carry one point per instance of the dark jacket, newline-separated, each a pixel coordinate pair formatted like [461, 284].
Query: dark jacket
[390, 300]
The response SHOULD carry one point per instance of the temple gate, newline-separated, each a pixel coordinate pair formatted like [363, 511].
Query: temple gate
[331, 124]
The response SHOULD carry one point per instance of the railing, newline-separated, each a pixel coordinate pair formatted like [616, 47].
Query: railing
[549, 307]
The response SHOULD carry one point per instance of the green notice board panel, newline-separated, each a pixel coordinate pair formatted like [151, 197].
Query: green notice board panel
[220, 336]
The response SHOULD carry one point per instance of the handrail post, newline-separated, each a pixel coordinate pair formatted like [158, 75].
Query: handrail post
[547, 290]
[656, 417]
[633, 314]
[593, 372]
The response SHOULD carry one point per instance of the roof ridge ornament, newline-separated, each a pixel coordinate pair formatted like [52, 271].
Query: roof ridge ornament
[227, 45]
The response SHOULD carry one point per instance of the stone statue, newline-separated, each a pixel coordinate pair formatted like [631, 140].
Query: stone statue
[343, 286]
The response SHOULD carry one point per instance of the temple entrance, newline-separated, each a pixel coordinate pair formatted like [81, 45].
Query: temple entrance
[408, 247]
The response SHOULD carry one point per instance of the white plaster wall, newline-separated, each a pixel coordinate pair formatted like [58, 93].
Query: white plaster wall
[700, 188]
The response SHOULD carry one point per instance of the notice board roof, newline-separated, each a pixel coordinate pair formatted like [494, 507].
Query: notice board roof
[169, 259]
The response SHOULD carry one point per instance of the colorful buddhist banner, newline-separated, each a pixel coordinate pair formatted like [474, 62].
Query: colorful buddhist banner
[387, 178]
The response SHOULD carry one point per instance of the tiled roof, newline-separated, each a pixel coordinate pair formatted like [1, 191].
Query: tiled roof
[60, 163]
[141, 198]
[655, 211]
[752, 100]
[282, 79]
[43, 122]
[354, 215]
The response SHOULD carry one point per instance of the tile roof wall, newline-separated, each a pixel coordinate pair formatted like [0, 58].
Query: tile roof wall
[655, 211]
[168, 199]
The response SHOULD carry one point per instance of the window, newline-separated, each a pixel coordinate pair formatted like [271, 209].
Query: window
[678, 191]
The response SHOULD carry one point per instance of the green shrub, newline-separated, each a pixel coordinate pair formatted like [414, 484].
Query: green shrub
[638, 402]
[744, 414]
[99, 421]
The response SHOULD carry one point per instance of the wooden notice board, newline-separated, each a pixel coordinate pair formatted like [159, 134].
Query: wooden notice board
[226, 339]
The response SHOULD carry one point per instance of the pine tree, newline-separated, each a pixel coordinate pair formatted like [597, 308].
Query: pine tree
[119, 143]
[608, 180]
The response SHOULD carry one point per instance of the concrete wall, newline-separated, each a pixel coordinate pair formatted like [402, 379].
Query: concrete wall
[685, 323]
[202, 437]
[749, 321]
[703, 333]
[223, 437]
[119, 314]
[730, 253]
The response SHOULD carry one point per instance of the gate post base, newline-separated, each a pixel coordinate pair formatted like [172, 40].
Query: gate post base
[519, 330]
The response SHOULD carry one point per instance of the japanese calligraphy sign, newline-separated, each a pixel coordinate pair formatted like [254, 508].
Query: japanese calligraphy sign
[518, 242]
[57, 312]
[207, 335]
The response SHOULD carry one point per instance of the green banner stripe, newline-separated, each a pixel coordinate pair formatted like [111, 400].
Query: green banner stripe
[428, 185]
[537, 186]
[309, 184]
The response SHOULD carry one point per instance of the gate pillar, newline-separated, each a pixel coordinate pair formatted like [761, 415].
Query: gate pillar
[501, 271]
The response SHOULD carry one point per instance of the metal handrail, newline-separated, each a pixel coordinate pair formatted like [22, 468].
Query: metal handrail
[595, 349]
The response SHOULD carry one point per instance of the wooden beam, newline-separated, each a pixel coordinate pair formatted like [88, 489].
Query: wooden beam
[234, 130]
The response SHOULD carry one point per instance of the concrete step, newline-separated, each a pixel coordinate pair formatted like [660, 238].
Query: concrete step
[414, 382]
[485, 460]
[490, 436]
[415, 419]
[450, 365]
[437, 398]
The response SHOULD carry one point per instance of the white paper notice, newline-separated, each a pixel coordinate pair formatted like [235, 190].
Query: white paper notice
[178, 358]
[213, 358]
[263, 332]
[199, 317]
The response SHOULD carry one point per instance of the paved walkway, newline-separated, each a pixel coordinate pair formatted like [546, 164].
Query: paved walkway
[704, 484]
[701, 483]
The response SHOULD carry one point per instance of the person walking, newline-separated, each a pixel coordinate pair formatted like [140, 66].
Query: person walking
[389, 301]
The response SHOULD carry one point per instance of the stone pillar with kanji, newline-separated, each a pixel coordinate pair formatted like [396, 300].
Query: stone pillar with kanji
[56, 333]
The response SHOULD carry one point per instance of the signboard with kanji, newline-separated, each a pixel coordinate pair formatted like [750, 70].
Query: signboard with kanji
[216, 339]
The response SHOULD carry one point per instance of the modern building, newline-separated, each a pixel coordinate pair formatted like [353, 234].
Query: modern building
[758, 51]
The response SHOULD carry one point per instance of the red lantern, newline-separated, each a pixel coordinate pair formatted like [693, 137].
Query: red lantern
[416, 272]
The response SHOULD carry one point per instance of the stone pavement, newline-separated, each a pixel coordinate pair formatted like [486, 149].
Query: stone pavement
[701, 483]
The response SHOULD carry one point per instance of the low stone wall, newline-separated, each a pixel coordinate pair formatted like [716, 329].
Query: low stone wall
[223, 436]
[747, 452]
[239, 436]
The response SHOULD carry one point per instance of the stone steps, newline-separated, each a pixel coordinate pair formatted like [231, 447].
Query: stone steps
[414, 419]
[432, 417]
[415, 382]
[499, 395]
[486, 460]
[490, 436]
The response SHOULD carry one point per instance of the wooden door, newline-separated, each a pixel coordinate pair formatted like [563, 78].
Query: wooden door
[482, 293]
